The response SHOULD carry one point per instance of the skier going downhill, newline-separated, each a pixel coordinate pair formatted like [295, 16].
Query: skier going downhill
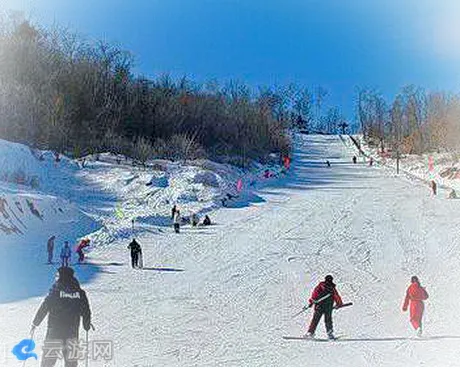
[66, 254]
[323, 298]
[65, 304]
[136, 253]
[415, 295]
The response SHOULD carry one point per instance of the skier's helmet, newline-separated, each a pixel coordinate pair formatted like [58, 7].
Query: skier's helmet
[415, 279]
[329, 279]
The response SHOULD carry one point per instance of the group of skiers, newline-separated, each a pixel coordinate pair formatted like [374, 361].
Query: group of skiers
[434, 190]
[194, 219]
[354, 160]
[66, 252]
[134, 246]
[136, 249]
[66, 304]
[325, 298]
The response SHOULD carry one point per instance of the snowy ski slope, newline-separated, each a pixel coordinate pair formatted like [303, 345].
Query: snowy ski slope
[225, 295]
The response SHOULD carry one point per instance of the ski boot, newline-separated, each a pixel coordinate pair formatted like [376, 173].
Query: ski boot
[330, 335]
[419, 332]
[309, 335]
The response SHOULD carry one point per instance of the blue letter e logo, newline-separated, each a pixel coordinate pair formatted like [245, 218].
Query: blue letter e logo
[24, 350]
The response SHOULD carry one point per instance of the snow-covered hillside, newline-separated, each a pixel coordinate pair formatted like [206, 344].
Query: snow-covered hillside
[443, 168]
[97, 199]
[226, 294]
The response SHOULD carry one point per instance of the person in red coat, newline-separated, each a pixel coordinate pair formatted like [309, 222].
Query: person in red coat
[415, 295]
[323, 298]
[83, 244]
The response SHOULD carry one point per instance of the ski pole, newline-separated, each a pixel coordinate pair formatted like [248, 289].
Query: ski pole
[87, 349]
[311, 304]
[343, 305]
[87, 344]
[32, 332]
[303, 310]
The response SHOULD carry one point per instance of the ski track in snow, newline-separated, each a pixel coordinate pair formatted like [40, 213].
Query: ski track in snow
[224, 295]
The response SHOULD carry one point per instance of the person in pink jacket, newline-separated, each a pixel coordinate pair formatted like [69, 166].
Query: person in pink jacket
[415, 295]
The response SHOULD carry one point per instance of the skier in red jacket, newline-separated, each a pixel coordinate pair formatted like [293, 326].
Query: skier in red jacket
[323, 298]
[83, 244]
[415, 294]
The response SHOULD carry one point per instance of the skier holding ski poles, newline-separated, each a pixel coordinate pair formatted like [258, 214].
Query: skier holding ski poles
[323, 298]
[65, 304]
[136, 253]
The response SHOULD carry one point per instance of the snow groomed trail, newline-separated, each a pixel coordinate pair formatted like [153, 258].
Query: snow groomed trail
[225, 295]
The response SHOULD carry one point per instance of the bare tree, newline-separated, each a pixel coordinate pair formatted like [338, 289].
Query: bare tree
[320, 95]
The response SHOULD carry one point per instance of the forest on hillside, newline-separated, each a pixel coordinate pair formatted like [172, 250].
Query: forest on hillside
[414, 122]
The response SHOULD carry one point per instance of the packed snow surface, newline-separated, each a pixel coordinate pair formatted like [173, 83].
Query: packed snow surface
[225, 295]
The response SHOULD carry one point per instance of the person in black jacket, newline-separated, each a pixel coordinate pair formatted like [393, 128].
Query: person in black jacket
[206, 221]
[136, 250]
[173, 212]
[65, 304]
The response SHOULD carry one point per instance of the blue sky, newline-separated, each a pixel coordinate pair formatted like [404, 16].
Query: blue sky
[339, 44]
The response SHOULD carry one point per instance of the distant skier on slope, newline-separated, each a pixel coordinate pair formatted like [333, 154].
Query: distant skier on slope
[50, 248]
[328, 163]
[66, 254]
[371, 161]
[65, 304]
[195, 219]
[327, 293]
[434, 187]
[83, 244]
[136, 253]
[354, 159]
[415, 295]
[173, 212]
[206, 221]
[177, 221]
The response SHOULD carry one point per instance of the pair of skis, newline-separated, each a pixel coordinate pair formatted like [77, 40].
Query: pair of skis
[305, 308]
